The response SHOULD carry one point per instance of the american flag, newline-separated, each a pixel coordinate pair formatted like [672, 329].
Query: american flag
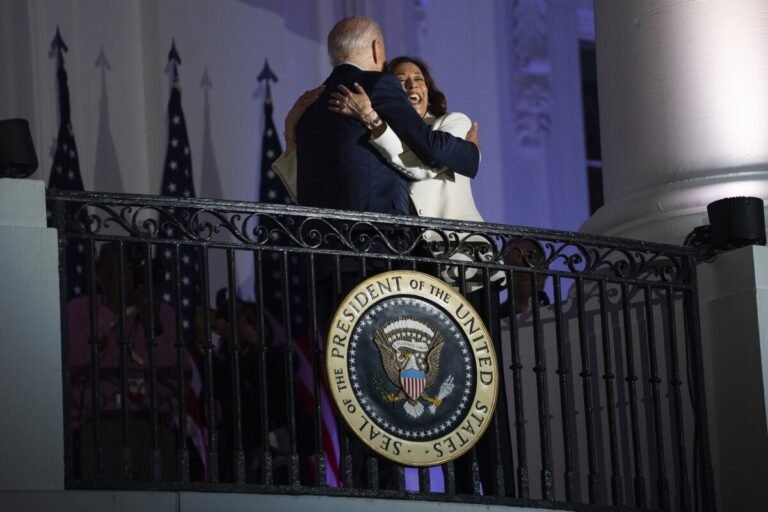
[65, 175]
[272, 190]
[178, 182]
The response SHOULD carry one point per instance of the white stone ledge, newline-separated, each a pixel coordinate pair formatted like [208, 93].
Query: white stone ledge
[22, 203]
[146, 501]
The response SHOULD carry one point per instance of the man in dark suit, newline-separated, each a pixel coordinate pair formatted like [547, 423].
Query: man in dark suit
[337, 168]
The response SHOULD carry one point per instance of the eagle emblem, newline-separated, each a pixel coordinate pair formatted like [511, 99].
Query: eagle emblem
[412, 368]
[410, 354]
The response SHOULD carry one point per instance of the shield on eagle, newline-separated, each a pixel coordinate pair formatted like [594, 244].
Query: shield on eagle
[412, 382]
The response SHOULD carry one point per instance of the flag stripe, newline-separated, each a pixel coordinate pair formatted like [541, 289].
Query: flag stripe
[307, 396]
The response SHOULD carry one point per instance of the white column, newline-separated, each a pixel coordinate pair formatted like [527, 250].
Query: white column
[32, 428]
[683, 91]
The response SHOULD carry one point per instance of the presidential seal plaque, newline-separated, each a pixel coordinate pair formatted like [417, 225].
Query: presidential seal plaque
[412, 368]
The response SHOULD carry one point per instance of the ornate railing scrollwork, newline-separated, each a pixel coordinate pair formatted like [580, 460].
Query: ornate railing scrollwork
[252, 225]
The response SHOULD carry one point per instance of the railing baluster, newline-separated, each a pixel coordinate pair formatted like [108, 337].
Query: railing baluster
[345, 448]
[610, 403]
[238, 452]
[545, 438]
[124, 346]
[517, 390]
[662, 483]
[317, 375]
[565, 410]
[98, 449]
[425, 484]
[449, 475]
[593, 478]
[684, 484]
[502, 453]
[294, 470]
[208, 385]
[477, 487]
[399, 478]
[267, 470]
[152, 357]
[474, 466]
[371, 461]
[631, 379]
[182, 449]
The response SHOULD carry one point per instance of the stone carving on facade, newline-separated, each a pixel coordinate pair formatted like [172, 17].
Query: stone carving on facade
[532, 107]
[421, 7]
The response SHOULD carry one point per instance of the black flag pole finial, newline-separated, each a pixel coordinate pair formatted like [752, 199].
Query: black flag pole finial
[58, 43]
[267, 73]
[205, 81]
[101, 60]
[58, 47]
[269, 76]
[174, 60]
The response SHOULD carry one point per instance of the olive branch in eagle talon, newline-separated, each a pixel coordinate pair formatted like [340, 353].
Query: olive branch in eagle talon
[387, 396]
[410, 354]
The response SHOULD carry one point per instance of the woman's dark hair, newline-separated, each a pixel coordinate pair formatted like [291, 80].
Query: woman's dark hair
[436, 103]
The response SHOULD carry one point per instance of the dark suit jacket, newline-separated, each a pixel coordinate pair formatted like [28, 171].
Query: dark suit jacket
[338, 168]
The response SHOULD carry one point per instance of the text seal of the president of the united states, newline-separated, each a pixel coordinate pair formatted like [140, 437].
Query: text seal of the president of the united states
[411, 367]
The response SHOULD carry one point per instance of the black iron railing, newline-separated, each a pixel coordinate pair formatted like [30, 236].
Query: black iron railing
[170, 384]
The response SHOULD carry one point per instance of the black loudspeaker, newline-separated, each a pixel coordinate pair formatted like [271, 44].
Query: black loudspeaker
[736, 222]
[17, 152]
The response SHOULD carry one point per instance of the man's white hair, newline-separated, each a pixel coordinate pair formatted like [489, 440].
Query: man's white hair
[351, 37]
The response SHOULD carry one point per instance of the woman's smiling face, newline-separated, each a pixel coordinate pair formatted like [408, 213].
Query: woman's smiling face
[414, 85]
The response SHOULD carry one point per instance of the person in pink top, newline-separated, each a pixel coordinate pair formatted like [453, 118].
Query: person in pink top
[137, 347]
